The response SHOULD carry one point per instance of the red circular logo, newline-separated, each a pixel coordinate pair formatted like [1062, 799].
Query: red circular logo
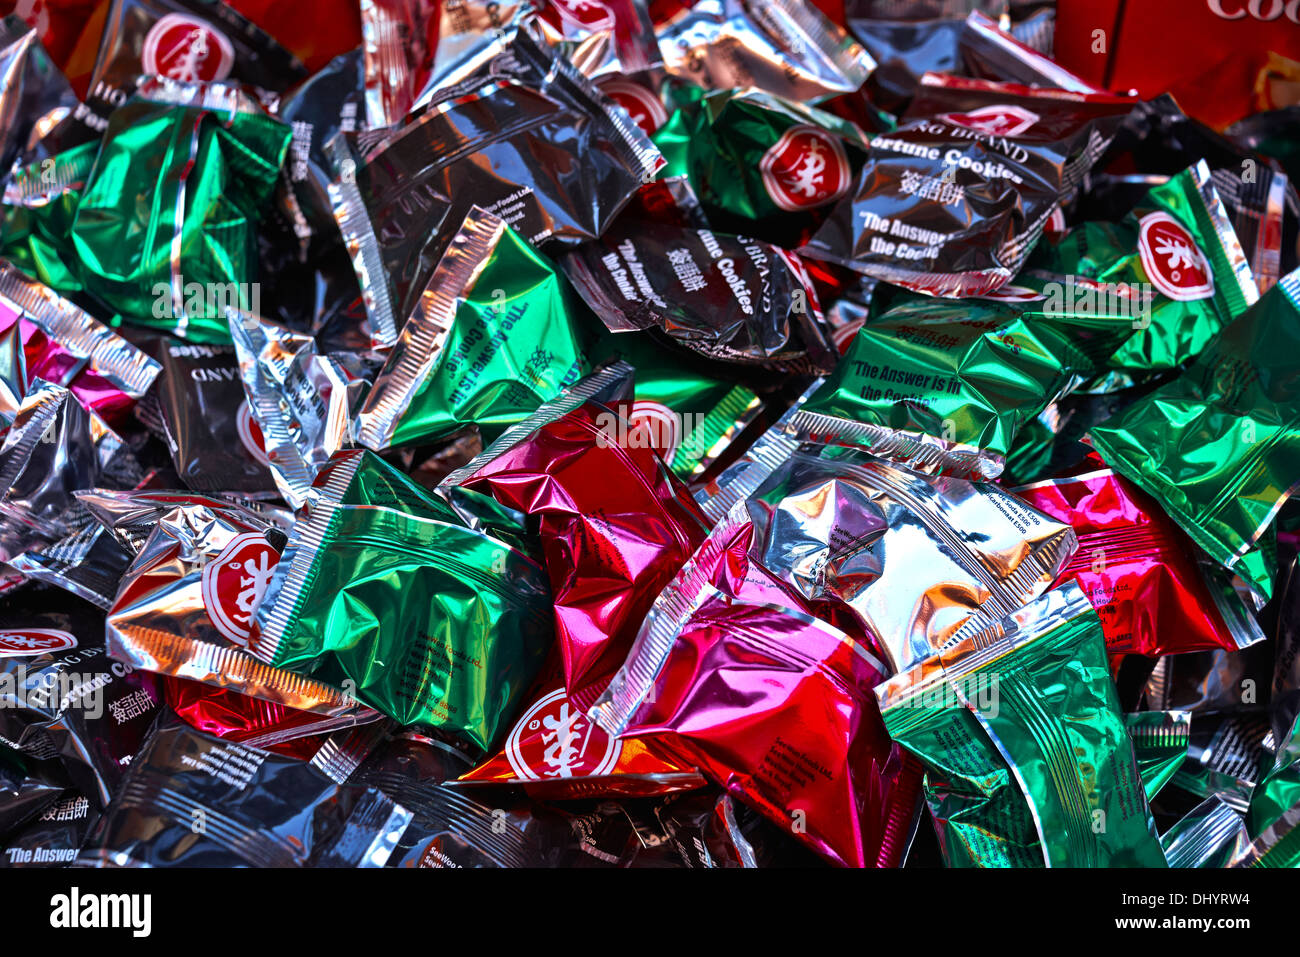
[1002, 119]
[234, 583]
[16, 642]
[589, 15]
[188, 49]
[1172, 260]
[807, 167]
[556, 740]
[642, 105]
[250, 433]
[661, 425]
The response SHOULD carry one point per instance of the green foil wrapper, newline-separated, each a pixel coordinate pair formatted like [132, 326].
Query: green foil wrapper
[1160, 740]
[1028, 707]
[425, 612]
[1173, 269]
[40, 207]
[943, 383]
[691, 413]
[166, 227]
[981, 814]
[1219, 446]
[491, 340]
[761, 164]
[1278, 789]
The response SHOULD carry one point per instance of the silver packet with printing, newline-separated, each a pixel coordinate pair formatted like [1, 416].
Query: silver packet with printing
[924, 561]
[786, 47]
[301, 399]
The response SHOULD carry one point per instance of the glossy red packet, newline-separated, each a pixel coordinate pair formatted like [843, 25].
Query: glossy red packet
[615, 525]
[1138, 569]
[333, 28]
[556, 752]
[1213, 54]
[776, 707]
[733, 674]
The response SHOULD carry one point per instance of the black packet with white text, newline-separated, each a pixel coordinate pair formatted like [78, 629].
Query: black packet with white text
[62, 698]
[193, 800]
[214, 440]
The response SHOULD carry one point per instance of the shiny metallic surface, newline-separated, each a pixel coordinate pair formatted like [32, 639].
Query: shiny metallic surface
[491, 339]
[1022, 736]
[781, 46]
[1219, 446]
[918, 558]
[388, 592]
[615, 526]
[1133, 562]
[53, 446]
[301, 399]
[947, 208]
[161, 620]
[541, 148]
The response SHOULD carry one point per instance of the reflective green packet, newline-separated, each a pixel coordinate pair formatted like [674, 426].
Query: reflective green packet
[1219, 446]
[1177, 257]
[166, 227]
[935, 383]
[424, 611]
[490, 340]
[1022, 736]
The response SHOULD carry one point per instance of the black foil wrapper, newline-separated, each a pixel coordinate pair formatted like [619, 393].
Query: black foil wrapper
[62, 698]
[209, 427]
[731, 299]
[192, 800]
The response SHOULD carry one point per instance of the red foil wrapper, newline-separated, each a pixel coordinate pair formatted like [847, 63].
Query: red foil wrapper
[775, 705]
[615, 526]
[1214, 55]
[1135, 565]
[58, 22]
[252, 721]
[556, 752]
[334, 27]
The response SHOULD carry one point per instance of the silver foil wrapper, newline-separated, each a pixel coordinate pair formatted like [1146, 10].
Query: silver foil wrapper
[1212, 834]
[53, 447]
[924, 561]
[785, 47]
[301, 399]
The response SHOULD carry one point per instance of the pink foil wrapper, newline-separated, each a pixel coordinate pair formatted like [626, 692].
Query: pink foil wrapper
[615, 525]
[1138, 568]
[771, 701]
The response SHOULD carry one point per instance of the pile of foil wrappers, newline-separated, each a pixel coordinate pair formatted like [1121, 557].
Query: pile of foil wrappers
[649, 433]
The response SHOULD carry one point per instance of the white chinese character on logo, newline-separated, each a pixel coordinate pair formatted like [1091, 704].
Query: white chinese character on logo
[1180, 254]
[253, 587]
[196, 51]
[806, 178]
[23, 641]
[561, 739]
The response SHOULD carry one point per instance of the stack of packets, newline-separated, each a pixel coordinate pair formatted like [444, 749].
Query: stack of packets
[599, 433]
